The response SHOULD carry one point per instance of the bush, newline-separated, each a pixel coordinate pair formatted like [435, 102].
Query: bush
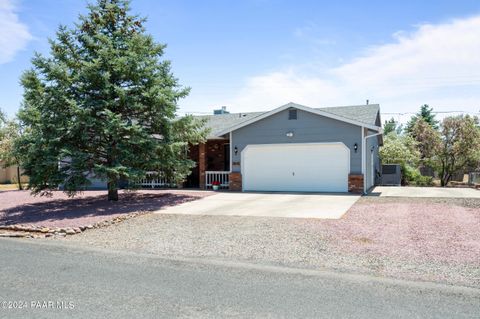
[423, 181]
[412, 176]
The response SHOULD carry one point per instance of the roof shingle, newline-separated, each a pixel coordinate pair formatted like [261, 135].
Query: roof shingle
[362, 113]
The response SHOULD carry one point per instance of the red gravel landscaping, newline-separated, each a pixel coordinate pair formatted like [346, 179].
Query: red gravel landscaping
[89, 207]
[444, 230]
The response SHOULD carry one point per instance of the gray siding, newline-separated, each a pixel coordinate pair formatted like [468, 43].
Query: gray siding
[307, 128]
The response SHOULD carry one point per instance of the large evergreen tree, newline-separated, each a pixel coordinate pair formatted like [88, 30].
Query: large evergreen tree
[425, 113]
[103, 104]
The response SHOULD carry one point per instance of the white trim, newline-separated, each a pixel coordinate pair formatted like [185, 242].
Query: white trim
[222, 176]
[250, 146]
[300, 107]
[364, 142]
[231, 152]
[372, 168]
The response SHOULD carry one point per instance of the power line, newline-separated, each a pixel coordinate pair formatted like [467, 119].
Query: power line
[435, 112]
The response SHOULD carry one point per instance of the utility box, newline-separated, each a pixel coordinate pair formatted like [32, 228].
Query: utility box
[391, 175]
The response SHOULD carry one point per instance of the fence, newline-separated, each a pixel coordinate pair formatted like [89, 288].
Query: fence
[217, 176]
[473, 178]
[154, 180]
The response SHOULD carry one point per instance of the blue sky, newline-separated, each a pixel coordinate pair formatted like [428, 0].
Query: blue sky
[259, 54]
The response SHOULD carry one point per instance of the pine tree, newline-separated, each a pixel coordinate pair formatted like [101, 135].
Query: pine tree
[392, 126]
[425, 113]
[103, 104]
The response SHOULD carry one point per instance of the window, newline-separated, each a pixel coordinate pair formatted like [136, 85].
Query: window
[292, 114]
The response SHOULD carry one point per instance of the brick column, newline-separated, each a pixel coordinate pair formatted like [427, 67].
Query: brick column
[355, 183]
[235, 183]
[201, 165]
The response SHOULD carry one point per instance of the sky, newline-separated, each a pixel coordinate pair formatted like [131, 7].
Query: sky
[255, 55]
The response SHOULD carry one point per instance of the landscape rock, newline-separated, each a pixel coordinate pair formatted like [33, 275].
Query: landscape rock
[13, 235]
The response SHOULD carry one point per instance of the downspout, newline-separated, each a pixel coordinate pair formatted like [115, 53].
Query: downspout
[364, 158]
[231, 151]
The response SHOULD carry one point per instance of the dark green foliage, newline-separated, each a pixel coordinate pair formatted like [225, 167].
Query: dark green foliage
[103, 103]
[392, 126]
[425, 113]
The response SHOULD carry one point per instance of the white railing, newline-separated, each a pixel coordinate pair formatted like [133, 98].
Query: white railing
[153, 180]
[221, 176]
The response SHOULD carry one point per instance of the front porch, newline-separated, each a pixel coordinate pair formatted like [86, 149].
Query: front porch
[213, 164]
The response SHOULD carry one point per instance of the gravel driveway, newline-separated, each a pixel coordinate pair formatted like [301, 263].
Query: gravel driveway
[425, 239]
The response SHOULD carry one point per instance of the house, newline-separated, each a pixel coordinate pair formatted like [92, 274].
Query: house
[291, 148]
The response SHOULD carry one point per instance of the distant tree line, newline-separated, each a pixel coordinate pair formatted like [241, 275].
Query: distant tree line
[447, 147]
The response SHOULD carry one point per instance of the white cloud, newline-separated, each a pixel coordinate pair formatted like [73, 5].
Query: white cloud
[436, 64]
[14, 35]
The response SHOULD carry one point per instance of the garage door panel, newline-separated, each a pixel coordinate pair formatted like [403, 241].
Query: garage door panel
[296, 167]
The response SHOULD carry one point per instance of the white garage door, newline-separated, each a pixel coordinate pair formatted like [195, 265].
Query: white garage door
[309, 167]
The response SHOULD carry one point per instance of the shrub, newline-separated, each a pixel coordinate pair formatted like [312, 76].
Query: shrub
[412, 176]
[423, 181]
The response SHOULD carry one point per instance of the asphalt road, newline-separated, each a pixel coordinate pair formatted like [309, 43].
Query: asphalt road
[92, 283]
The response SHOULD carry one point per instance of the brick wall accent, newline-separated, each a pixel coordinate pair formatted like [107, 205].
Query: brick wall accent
[355, 183]
[235, 181]
[215, 155]
[201, 165]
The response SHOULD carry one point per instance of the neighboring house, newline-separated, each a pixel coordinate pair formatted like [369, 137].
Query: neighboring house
[291, 148]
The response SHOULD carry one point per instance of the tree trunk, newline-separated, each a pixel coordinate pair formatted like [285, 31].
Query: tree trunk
[112, 191]
[18, 178]
[445, 179]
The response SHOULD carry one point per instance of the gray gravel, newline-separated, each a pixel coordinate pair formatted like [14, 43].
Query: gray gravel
[307, 243]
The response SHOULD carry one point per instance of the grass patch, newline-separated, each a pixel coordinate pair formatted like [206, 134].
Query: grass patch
[10, 187]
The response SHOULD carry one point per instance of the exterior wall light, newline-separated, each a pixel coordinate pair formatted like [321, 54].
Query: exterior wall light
[289, 134]
[355, 147]
[235, 150]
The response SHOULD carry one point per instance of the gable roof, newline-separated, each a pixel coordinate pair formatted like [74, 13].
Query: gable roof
[220, 122]
[361, 115]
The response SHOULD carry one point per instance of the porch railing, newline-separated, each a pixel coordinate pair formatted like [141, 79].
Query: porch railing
[153, 180]
[221, 176]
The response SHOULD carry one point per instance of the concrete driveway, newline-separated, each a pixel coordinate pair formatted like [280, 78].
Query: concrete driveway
[434, 192]
[328, 206]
